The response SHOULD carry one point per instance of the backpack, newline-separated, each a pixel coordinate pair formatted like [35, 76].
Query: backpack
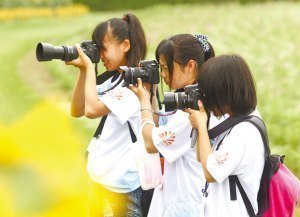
[279, 188]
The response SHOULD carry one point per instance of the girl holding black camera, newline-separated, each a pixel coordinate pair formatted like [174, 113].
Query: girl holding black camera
[228, 88]
[180, 58]
[116, 186]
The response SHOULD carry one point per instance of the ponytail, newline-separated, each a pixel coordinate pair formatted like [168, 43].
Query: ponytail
[128, 27]
[137, 40]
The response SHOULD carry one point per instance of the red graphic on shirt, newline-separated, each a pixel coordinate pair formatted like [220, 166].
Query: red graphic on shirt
[167, 137]
[221, 157]
[116, 93]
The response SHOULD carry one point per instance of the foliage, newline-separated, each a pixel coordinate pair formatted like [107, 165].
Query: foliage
[33, 3]
[7, 14]
[104, 5]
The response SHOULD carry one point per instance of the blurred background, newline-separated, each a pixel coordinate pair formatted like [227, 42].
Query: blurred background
[42, 148]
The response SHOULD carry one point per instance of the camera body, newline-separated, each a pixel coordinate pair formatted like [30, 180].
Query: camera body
[148, 71]
[91, 50]
[183, 100]
[47, 52]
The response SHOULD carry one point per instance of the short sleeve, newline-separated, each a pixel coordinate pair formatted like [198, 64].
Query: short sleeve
[122, 102]
[173, 139]
[230, 158]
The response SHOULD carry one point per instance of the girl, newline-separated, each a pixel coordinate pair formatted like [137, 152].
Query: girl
[180, 58]
[228, 88]
[121, 42]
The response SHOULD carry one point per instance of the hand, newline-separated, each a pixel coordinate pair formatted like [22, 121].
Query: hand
[83, 61]
[141, 91]
[198, 118]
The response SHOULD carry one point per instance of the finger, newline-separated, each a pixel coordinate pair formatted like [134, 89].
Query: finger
[139, 82]
[201, 108]
[79, 49]
[188, 110]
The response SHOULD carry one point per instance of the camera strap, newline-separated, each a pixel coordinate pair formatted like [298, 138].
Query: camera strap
[119, 81]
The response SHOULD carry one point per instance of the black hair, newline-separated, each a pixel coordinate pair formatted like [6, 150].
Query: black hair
[228, 85]
[128, 27]
[181, 49]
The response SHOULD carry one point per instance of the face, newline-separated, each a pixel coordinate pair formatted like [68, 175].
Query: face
[113, 53]
[180, 77]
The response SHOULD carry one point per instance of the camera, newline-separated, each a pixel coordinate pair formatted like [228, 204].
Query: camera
[148, 71]
[182, 100]
[47, 52]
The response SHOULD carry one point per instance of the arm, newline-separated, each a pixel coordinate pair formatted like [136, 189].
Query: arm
[146, 113]
[77, 102]
[94, 108]
[85, 97]
[203, 148]
[154, 101]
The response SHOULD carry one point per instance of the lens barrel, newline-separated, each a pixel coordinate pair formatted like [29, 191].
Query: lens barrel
[174, 101]
[47, 52]
[170, 101]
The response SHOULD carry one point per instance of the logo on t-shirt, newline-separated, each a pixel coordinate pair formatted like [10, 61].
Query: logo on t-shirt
[167, 137]
[116, 93]
[220, 157]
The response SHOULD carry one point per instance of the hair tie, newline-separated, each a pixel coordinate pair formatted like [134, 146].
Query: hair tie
[203, 41]
[126, 18]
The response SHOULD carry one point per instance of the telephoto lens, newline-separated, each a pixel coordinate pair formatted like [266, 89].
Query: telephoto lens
[48, 52]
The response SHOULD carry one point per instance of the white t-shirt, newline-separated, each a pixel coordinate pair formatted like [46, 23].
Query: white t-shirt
[183, 180]
[110, 159]
[241, 153]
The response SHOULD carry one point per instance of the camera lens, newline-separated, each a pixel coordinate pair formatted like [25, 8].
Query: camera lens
[181, 100]
[170, 101]
[132, 74]
[174, 101]
[47, 52]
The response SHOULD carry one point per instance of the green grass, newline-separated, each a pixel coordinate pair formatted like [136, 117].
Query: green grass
[267, 35]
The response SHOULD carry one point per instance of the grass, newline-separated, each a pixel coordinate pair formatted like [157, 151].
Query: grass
[266, 35]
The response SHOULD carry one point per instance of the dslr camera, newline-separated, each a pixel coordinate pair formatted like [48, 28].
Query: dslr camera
[183, 100]
[148, 71]
[47, 52]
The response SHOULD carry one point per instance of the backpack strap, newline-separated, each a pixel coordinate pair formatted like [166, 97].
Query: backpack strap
[226, 124]
[234, 180]
[132, 134]
[100, 79]
[101, 125]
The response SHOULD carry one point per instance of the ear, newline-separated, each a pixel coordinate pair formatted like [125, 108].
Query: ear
[191, 66]
[126, 45]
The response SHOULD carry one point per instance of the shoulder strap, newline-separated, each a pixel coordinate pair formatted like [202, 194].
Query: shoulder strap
[234, 180]
[101, 125]
[260, 125]
[100, 79]
[234, 120]
[132, 134]
[226, 124]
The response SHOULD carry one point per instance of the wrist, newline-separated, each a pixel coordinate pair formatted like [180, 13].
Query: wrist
[145, 104]
[202, 127]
